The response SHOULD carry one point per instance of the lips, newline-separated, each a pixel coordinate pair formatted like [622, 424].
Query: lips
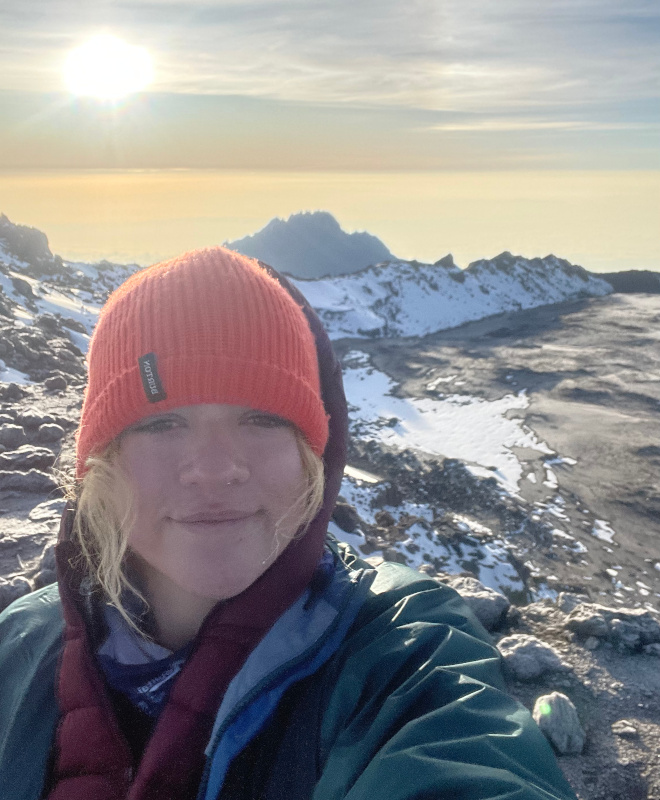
[214, 517]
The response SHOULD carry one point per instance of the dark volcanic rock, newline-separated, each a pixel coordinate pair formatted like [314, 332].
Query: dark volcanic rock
[74, 325]
[12, 435]
[632, 280]
[32, 481]
[32, 418]
[12, 590]
[346, 517]
[44, 578]
[23, 287]
[6, 305]
[12, 391]
[38, 354]
[28, 244]
[27, 457]
[56, 383]
[48, 323]
[50, 432]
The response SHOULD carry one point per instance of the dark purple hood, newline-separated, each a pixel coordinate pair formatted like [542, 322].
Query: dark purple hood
[92, 759]
[277, 588]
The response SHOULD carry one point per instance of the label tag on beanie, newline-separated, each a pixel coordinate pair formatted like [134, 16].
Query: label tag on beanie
[153, 388]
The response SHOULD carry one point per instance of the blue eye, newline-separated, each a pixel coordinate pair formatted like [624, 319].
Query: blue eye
[263, 419]
[157, 425]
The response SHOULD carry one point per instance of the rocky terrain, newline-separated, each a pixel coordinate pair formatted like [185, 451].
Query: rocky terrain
[514, 457]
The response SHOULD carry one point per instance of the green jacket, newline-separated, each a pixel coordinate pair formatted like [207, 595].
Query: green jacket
[407, 704]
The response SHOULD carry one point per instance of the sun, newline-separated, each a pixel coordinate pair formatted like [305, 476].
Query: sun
[107, 68]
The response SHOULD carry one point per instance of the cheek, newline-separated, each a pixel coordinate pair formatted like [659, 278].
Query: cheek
[148, 473]
[280, 472]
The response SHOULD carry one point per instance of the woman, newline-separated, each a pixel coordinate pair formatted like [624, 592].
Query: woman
[205, 640]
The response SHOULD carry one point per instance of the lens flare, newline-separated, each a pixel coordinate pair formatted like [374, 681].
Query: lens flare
[107, 68]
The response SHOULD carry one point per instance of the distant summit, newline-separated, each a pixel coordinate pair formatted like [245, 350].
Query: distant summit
[28, 245]
[312, 245]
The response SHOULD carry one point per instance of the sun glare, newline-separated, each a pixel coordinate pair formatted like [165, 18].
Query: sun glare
[107, 68]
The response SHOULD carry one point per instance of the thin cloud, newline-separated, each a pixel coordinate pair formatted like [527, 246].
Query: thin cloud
[456, 54]
[509, 125]
[566, 67]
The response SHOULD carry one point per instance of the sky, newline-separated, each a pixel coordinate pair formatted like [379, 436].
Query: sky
[464, 126]
[335, 84]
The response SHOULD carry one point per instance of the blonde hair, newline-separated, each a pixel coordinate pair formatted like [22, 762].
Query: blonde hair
[105, 515]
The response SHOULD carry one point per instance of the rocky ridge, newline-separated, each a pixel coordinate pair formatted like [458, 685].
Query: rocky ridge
[408, 298]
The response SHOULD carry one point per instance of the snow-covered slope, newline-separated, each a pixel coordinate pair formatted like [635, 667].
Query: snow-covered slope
[411, 299]
[311, 245]
[33, 282]
[396, 298]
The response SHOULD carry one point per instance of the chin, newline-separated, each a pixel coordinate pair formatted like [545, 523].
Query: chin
[213, 589]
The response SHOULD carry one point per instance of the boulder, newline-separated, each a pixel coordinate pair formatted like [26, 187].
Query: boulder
[567, 601]
[589, 619]
[50, 432]
[74, 325]
[627, 629]
[12, 435]
[527, 657]
[39, 354]
[346, 517]
[48, 323]
[32, 481]
[557, 717]
[626, 635]
[51, 509]
[23, 287]
[12, 392]
[56, 383]
[27, 457]
[33, 418]
[646, 622]
[12, 590]
[488, 606]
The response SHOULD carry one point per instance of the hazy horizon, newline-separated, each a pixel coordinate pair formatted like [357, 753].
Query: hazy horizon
[439, 127]
[604, 221]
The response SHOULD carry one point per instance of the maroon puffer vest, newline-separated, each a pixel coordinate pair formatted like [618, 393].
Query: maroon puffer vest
[92, 758]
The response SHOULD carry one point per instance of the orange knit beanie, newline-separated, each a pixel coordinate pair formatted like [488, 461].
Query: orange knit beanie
[210, 326]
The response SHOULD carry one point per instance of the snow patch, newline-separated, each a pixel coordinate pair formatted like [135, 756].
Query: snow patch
[471, 429]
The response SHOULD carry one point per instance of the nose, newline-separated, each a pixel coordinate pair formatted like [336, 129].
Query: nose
[213, 459]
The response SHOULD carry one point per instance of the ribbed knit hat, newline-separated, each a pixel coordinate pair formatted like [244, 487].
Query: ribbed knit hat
[211, 326]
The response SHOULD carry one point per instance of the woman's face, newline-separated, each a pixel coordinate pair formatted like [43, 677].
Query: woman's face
[214, 486]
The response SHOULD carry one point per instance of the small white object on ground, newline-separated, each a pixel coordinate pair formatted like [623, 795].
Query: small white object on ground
[557, 717]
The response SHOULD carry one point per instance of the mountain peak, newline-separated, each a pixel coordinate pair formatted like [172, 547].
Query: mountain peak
[311, 244]
[27, 244]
